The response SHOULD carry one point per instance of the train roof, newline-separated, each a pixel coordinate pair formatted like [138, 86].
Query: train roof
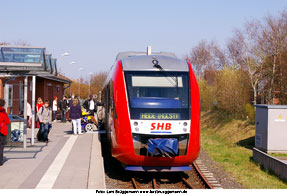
[126, 54]
[146, 63]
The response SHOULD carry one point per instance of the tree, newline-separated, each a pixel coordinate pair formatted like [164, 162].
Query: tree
[4, 43]
[21, 42]
[206, 56]
[97, 81]
[231, 91]
[246, 53]
[274, 34]
[200, 58]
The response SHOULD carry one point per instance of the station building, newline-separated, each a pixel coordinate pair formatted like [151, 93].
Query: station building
[16, 63]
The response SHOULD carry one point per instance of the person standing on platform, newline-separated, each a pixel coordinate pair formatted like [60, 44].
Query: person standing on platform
[55, 107]
[4, 121]
[91, 105]
[76, 115]
[69, 101]
[38, 106]
[45, 118]
[63, 107]
[96, 103]
[29, 115]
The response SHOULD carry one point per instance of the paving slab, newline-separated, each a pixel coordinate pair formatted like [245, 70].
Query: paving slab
[75, 172]
[25, 168]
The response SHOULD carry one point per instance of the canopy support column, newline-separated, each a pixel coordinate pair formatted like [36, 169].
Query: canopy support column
[25, 111]
[33, 108]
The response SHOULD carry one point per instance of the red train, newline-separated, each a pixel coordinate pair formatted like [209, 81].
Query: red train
[152, 112]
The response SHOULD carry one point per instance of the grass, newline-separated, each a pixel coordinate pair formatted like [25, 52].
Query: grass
[278, 154]
[229, 142]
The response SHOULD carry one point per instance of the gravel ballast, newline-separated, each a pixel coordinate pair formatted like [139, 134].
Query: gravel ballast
[225, 179]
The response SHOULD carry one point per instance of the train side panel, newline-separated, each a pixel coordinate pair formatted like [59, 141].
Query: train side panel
[194, 141]
[122, 144]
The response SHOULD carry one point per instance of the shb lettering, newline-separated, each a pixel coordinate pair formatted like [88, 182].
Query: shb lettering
[160, 126]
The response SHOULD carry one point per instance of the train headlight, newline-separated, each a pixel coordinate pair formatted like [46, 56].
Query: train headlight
[184, 129]
[135, 123]
[137, 129]
[185, 124]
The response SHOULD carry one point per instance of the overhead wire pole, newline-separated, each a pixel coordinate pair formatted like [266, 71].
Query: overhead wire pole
[25, 111]
[33, 108]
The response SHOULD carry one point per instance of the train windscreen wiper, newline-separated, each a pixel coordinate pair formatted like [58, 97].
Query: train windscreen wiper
[175, 79]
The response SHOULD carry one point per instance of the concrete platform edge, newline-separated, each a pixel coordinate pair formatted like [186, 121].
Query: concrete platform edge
[96, 178]
[271, 163]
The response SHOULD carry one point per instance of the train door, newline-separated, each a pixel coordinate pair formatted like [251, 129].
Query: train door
[111, 108]
[107, 119]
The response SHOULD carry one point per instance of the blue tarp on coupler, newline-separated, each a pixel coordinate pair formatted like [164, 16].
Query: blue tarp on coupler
[163, 147]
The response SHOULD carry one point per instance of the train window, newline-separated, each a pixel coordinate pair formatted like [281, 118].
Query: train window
[158, 92]
[160, 81]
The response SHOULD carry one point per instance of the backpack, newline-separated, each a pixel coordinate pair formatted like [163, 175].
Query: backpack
[43, 110]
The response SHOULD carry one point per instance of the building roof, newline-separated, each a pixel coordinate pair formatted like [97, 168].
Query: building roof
[271, 106]
[59, 78]
[64, 77]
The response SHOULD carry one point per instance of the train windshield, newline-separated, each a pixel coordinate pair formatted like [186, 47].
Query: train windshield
[159, 95]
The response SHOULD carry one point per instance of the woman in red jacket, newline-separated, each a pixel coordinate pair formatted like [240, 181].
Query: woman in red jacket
[4, 121]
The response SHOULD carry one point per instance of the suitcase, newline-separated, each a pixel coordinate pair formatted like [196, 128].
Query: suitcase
[40, 134]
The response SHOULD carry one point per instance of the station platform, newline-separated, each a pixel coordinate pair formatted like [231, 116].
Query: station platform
[67, 162]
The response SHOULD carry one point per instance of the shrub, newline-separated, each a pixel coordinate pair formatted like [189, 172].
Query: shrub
[206, 95]
[232, 91]
[250, 112]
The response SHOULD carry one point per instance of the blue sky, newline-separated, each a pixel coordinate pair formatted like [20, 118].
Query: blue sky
[95, 31]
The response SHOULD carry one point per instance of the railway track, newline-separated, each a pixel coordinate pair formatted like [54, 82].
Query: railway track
[195, 180]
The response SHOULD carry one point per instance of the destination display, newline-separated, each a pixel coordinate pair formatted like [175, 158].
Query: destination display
[159, 116]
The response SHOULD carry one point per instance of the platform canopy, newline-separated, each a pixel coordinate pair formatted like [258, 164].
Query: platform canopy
[54, 66]
[25, 60]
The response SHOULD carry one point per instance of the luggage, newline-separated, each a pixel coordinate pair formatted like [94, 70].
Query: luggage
[40, 134]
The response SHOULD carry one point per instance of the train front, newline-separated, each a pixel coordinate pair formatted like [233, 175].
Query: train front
[163, 103]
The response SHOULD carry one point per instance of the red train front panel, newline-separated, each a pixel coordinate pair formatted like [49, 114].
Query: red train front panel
[136, 120]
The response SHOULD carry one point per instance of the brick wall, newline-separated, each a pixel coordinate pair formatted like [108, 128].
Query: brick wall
[45, 88]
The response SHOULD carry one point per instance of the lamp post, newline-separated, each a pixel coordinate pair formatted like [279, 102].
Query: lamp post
[91, 73]
[66, 54]
[79, 90]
